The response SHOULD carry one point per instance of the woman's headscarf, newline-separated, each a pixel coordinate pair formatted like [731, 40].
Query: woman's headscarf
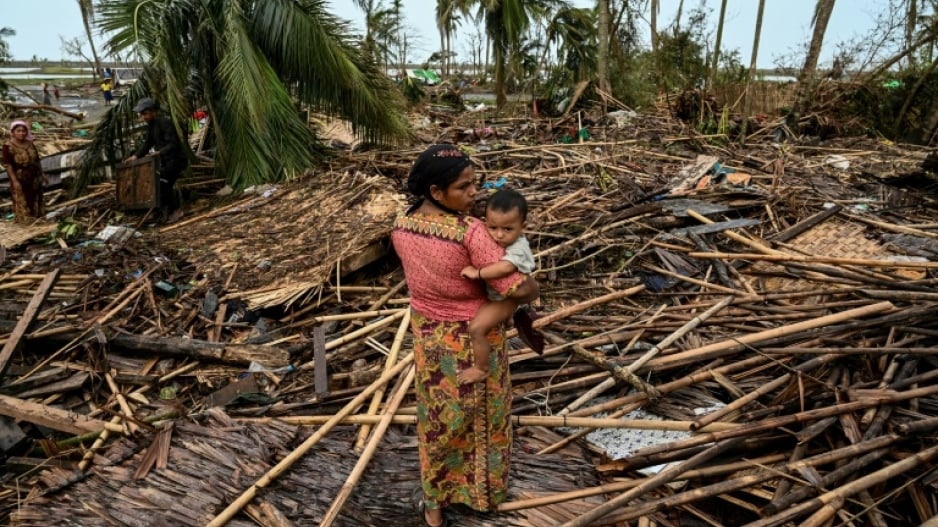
[438, 165]
[14, 124]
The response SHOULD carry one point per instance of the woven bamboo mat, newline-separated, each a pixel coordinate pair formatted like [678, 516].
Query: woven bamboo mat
[209, 464]
[13, 235]
[832, 239]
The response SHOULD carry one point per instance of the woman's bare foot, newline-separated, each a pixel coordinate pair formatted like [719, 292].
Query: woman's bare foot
[433, 517]
[471, 375]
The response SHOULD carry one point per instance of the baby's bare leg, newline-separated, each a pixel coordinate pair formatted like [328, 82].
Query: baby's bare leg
[489, 316]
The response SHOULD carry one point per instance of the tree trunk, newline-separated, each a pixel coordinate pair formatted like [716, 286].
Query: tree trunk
[499, 52]
[747, 102]
[807, 78]
[910, 21]
[86, 15]
[677, 19]
[654, 44]
[602, 65]
[654, 27]
[715, 69]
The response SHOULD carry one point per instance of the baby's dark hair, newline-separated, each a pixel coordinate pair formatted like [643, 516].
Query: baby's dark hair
[507, 200]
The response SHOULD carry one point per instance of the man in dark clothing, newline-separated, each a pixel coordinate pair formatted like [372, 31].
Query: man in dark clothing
[162, 137]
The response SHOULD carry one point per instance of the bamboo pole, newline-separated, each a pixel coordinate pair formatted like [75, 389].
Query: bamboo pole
[370, 450]
[833, 477]
[391, 360]
[122, 402]
[862, 262]
[517, 420]
[725, 347]
[586, 304]
[845, 491]
[750, 429]
[310, 442]
[762, 248]
[682, 382]
[662, 478]
[619, 486]
[760, 391]
[878, 446]
[683, 330]
[348, 316]
[650, 354]
[332, 344]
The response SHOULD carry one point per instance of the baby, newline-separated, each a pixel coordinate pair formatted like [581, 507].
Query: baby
[505, 218]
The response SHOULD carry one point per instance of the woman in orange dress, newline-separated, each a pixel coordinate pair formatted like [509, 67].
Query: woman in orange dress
[24, 170]
[464, 431]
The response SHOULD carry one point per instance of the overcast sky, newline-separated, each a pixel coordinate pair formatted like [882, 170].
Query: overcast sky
[39, 23]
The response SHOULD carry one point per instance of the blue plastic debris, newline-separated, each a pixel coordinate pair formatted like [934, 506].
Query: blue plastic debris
[499, 183]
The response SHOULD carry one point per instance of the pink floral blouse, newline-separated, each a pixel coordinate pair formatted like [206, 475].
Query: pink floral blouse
[434, 249]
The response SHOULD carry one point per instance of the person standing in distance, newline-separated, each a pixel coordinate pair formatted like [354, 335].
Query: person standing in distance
[165, 142]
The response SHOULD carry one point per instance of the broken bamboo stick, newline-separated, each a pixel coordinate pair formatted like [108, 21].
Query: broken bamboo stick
[310, 442]
[391, 360]
[517, 420]
[725, 347]
[662, 478]
[26, 319]
[51, 417]
[861, 262]
[370, 449]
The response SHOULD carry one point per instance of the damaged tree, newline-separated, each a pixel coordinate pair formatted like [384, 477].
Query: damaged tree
[247, 64]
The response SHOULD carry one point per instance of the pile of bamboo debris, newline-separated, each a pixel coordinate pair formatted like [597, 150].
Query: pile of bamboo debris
[775, 303]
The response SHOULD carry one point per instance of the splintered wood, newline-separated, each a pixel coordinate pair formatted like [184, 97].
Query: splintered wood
[736, 337]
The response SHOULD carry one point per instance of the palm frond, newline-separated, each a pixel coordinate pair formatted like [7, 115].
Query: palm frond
[260, 133]
[326, 69]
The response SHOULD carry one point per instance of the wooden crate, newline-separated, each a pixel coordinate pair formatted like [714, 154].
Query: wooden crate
[138, 185]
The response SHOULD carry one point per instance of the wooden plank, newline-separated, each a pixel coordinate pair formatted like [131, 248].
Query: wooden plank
[40, 378]
[29, 315]
[320, 379]
[138, 184]
[228, 353]
[50, 417]
[232, 391]
[369, 254]
[806, 225]
[72, 383]
[719, 226]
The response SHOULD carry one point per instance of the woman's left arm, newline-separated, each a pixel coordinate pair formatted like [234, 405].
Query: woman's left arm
[527, 292]
[43, 180]
[484, 251]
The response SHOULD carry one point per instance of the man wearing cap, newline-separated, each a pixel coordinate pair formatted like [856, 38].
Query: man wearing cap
[162, 138]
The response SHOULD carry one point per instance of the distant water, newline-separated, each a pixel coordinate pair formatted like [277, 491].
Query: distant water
[34, 73]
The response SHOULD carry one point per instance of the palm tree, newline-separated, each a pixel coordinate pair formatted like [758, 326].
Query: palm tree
[447, 18]
[574, 32]
[87, 16]
[716, 48]
[248, 63]
[806, 79]
[383, 25]
[5, 53]
[605, 25]
[506, 21]
[747, 101]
